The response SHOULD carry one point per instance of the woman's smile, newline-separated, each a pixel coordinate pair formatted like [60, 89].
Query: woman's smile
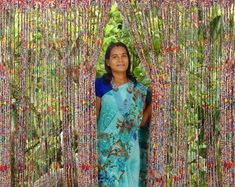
[121, 65]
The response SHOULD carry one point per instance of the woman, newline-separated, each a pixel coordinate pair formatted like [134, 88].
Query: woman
[121, 110]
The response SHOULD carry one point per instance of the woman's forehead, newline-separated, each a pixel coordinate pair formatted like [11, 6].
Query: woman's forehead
[118, 50]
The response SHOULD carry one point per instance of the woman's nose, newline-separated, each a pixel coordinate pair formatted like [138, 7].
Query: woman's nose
[119, 59]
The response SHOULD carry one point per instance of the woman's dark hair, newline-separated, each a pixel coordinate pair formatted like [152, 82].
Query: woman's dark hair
[108, 75]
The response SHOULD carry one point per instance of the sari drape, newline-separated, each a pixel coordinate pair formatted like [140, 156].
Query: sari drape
[118, 141]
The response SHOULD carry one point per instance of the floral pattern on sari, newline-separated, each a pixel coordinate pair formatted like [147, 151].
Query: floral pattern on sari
[118, 144]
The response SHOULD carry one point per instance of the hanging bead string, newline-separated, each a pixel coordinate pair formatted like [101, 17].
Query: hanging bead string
[165, 14]
[199, 166]
[177, 129]
[15, 108]
[51, 97]
[128, 13]
[92, 29]
[200, 159]
[208, 124]
[59, 73]
[45, 87]
[227, 100]
[180, 66]
[193, 152]
[55, 103]
[171, 43]
[42, 76]
[183, 147]
[31, 153]
[21, 129]
[53, 107]
[163, 103]
[186, 15]
[38, 83]
[28, 128]
[159, 125]
[192, 124]
[45, 123]
[27, 100]
[45, 144]
[5, 124]
[83, 122]
[215, 95]
[167, 54]
[136, 23]
[212, 177]
[73, 92]
[182, 99]
[197, 104]
[72, 100]
[68, 153]
[13, 75]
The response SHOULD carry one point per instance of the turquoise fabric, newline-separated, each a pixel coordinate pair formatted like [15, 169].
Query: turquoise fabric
[118, 136]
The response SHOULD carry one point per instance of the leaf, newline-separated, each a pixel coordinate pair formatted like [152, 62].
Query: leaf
[215, 28]
[109, 28]
[202, 152]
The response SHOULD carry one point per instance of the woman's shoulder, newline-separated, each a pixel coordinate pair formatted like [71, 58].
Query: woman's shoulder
[101, 86]
[99, 79]
[142, 87]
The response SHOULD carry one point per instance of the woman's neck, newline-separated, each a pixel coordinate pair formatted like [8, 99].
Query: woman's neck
[120, 78]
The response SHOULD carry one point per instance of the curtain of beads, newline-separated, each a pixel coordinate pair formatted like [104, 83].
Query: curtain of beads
[47, 128]
[94, 20]
[48, 53]
[192, 75]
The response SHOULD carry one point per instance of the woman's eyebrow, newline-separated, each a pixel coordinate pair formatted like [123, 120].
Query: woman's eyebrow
[118, 54]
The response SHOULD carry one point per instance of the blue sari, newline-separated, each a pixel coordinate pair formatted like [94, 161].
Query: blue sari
[118, 137]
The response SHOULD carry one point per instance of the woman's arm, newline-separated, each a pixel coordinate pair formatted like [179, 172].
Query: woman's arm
[146, 114]
[98, 104]
[147, 111]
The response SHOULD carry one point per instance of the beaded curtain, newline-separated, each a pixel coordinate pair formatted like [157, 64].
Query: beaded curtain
[187, 48]
[49, 50]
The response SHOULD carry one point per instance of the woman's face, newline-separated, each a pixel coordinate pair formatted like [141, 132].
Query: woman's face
[118, 60]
